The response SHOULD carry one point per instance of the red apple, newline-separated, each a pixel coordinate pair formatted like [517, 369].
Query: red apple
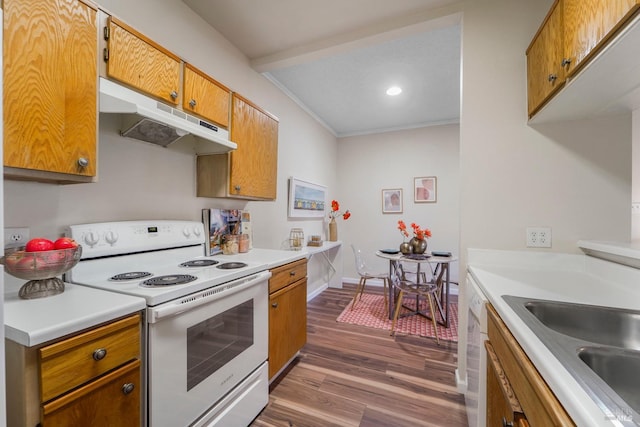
[65, 243]
[39, 244]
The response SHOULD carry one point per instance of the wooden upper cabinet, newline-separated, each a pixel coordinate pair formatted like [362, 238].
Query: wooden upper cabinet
[254, 164]
[50, 89]
[589, 24]
[545, 71]
[141, 63]
[205, 97]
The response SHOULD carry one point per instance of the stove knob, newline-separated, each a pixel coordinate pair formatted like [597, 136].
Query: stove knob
[186, 232]
[111, 237]
[91, 238]
[197, 231]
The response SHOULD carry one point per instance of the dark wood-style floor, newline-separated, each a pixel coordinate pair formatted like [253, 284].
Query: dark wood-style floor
[349, 375]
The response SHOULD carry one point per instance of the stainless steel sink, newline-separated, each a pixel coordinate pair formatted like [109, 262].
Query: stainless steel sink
[601, 325]
[599, 347]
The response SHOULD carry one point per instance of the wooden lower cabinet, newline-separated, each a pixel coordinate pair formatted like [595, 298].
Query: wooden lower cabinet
[515, 389]
[287, 314]
[89, 379]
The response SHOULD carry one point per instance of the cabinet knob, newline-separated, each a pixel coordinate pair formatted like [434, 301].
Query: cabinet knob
[192, 103]
[237, 188]
[552, 78]
[274, 305]
[292, 273]
[128, 388]
[565, 62]
[83, 162]
[173, 94]
[506, 423]
[100, 354]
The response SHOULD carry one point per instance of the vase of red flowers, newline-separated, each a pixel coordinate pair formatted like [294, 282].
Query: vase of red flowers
[405, 247]
[333, 225]
[419, 240]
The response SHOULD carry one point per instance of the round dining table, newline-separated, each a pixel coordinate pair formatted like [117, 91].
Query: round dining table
[439, 267]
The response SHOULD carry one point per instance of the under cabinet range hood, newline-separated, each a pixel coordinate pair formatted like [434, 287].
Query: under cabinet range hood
[152, 121]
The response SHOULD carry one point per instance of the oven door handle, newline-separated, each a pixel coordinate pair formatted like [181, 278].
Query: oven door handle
[206, 296]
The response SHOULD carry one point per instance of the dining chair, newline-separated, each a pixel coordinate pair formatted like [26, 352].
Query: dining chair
[424, 289]
[365, 273]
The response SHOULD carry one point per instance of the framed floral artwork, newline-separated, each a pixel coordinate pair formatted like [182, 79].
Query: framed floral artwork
[392, 200]
[425, 189]
[306, 200]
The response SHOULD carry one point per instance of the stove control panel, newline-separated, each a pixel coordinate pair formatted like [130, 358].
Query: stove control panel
[124, 237]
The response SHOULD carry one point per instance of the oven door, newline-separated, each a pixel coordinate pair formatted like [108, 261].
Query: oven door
[202, 345]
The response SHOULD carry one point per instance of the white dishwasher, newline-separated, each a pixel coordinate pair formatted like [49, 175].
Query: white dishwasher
[476, 397]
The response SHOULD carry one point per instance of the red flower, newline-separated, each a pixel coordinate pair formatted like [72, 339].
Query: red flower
[419, 233]
[335, 207]
[403, 228]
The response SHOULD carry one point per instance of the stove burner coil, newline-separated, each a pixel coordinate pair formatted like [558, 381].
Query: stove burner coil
[199, 263]
[231, 265]
[131, 275]
[168, 280]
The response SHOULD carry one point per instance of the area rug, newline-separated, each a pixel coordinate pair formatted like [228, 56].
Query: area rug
[370, 311]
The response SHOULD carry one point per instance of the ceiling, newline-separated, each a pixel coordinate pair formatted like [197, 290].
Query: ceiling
[336, 58]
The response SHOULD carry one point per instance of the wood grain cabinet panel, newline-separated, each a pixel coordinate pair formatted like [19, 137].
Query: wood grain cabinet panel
[111, 400]
[588, 24]
[250, 171]
[50, 88]
[503, 404]
[205, 97]
[141, 63]
[287, 314]
[545, 70]
[539, 404]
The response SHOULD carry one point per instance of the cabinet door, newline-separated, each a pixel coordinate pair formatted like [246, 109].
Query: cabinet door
[502, 403]
[205, 97]
[50, 86]
[287, 324]
[545, 72]
[111, 400]
[141, 63]
[254, 164]
[589, 23]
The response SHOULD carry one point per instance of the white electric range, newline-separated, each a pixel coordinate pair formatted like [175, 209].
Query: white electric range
[205, 335]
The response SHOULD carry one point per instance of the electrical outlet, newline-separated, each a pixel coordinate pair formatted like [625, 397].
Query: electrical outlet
[16, 236]
[538, 237]
[635, 208]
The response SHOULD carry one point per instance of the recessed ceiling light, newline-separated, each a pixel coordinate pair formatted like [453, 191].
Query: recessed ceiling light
[394, 90]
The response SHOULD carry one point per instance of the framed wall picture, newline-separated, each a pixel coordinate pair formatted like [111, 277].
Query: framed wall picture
[392, 200]
[425, 189]
[306, 200]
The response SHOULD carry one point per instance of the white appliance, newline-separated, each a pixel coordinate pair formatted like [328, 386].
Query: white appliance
[206, 329]
[475, 396]
[152, 121]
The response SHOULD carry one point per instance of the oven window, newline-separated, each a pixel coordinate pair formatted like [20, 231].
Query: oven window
[217, 340]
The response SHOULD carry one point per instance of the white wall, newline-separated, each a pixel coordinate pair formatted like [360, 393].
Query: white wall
[367, 164]
[573, 177]
[143, 181]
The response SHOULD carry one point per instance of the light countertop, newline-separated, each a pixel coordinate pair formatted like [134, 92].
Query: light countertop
[276, 257]
[560, 277]
[31, 322]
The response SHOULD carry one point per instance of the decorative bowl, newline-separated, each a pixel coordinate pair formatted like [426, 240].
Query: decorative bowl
[41, 269]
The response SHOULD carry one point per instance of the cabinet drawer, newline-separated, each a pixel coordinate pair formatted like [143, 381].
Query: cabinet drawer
[111, 400]
[74, 361]
[537, 400]
[287, 274]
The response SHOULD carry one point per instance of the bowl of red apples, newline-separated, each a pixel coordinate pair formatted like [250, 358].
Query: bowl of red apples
[40, 261]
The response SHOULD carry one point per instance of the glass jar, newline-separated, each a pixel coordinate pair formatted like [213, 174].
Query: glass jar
[296, 238]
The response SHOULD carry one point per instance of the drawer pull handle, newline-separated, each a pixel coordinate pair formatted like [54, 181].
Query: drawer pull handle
[100, 354]
[292, 273]
[506, 423]
[274, 305]
[128, 388]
